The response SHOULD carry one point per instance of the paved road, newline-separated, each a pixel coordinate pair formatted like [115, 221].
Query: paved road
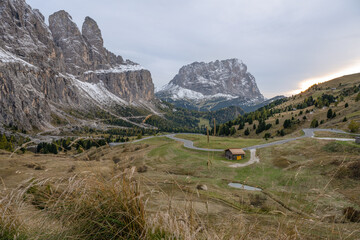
[308, 133]
[190, 144]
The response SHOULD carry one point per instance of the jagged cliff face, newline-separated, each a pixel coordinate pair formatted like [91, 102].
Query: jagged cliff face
[44, 70]
[207, 85]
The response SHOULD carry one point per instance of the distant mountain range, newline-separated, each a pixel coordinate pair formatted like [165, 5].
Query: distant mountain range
[214, 85]
[57, 74]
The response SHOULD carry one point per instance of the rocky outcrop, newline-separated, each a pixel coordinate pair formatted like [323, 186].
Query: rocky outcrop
[99, 55]
[24, 33]
[130, 85]
[70, 41]
[44, 69]
[86, 57]
[206, 85]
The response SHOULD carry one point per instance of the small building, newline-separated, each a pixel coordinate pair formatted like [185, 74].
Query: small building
[357, 140]
[234, 153]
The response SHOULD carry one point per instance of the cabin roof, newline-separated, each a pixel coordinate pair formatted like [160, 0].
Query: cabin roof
[236, 151]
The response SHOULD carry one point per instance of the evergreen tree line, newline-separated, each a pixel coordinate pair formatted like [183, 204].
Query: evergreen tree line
[7, 143]
[64, 145]
[261, 115]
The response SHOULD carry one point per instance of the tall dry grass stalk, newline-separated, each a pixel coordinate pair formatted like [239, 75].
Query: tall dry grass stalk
[95, 208]
[10, 224]
[88, 207]
[91, 207]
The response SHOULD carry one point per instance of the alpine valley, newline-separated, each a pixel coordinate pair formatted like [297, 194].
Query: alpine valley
[88, 151]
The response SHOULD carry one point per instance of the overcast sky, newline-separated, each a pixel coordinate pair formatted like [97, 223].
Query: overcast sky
[286, 44]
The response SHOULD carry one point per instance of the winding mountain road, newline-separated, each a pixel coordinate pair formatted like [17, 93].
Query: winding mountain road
[308, 133]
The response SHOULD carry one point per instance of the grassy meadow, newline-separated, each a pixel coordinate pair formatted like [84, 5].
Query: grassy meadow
[306, 185]
[222, 142]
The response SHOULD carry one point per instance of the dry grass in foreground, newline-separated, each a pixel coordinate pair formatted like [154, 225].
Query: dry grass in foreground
[92, 207]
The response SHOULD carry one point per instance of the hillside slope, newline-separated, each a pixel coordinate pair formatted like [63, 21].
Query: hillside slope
[332, 104]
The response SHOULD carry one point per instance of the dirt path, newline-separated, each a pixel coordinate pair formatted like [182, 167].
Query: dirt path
[253, 159]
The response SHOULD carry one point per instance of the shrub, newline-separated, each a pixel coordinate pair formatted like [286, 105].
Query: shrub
[247, 132]
[287, 123]
[353, 126]
[241, 126]
[329, 113]
[267, 136]
[280, 133]
[357, 97]
[314, 123]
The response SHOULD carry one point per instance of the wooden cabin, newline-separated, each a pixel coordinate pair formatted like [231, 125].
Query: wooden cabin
[234, 153]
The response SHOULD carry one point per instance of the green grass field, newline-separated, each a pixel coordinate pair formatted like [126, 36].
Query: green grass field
[294, 173]
[333, 135]
[222, 142]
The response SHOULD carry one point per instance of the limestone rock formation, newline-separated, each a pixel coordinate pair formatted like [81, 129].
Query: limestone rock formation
[210, 86]
[47, 70]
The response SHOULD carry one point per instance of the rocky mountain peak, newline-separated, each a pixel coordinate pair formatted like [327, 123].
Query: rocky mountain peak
[92, 33]
[214, 82]
[69, 39]
[227, 77]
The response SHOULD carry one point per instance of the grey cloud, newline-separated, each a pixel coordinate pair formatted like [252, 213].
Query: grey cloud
[282, 42]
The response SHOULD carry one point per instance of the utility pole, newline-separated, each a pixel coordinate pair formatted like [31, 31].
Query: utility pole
[207, 134]
[214, 127]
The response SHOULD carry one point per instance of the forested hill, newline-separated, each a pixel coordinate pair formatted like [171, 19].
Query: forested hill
[332, 104]
[182, 120]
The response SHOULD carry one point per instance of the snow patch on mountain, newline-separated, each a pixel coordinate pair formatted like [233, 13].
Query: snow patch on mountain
[7, 57]
[118, 69]
[178, 92]
[97, 92]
